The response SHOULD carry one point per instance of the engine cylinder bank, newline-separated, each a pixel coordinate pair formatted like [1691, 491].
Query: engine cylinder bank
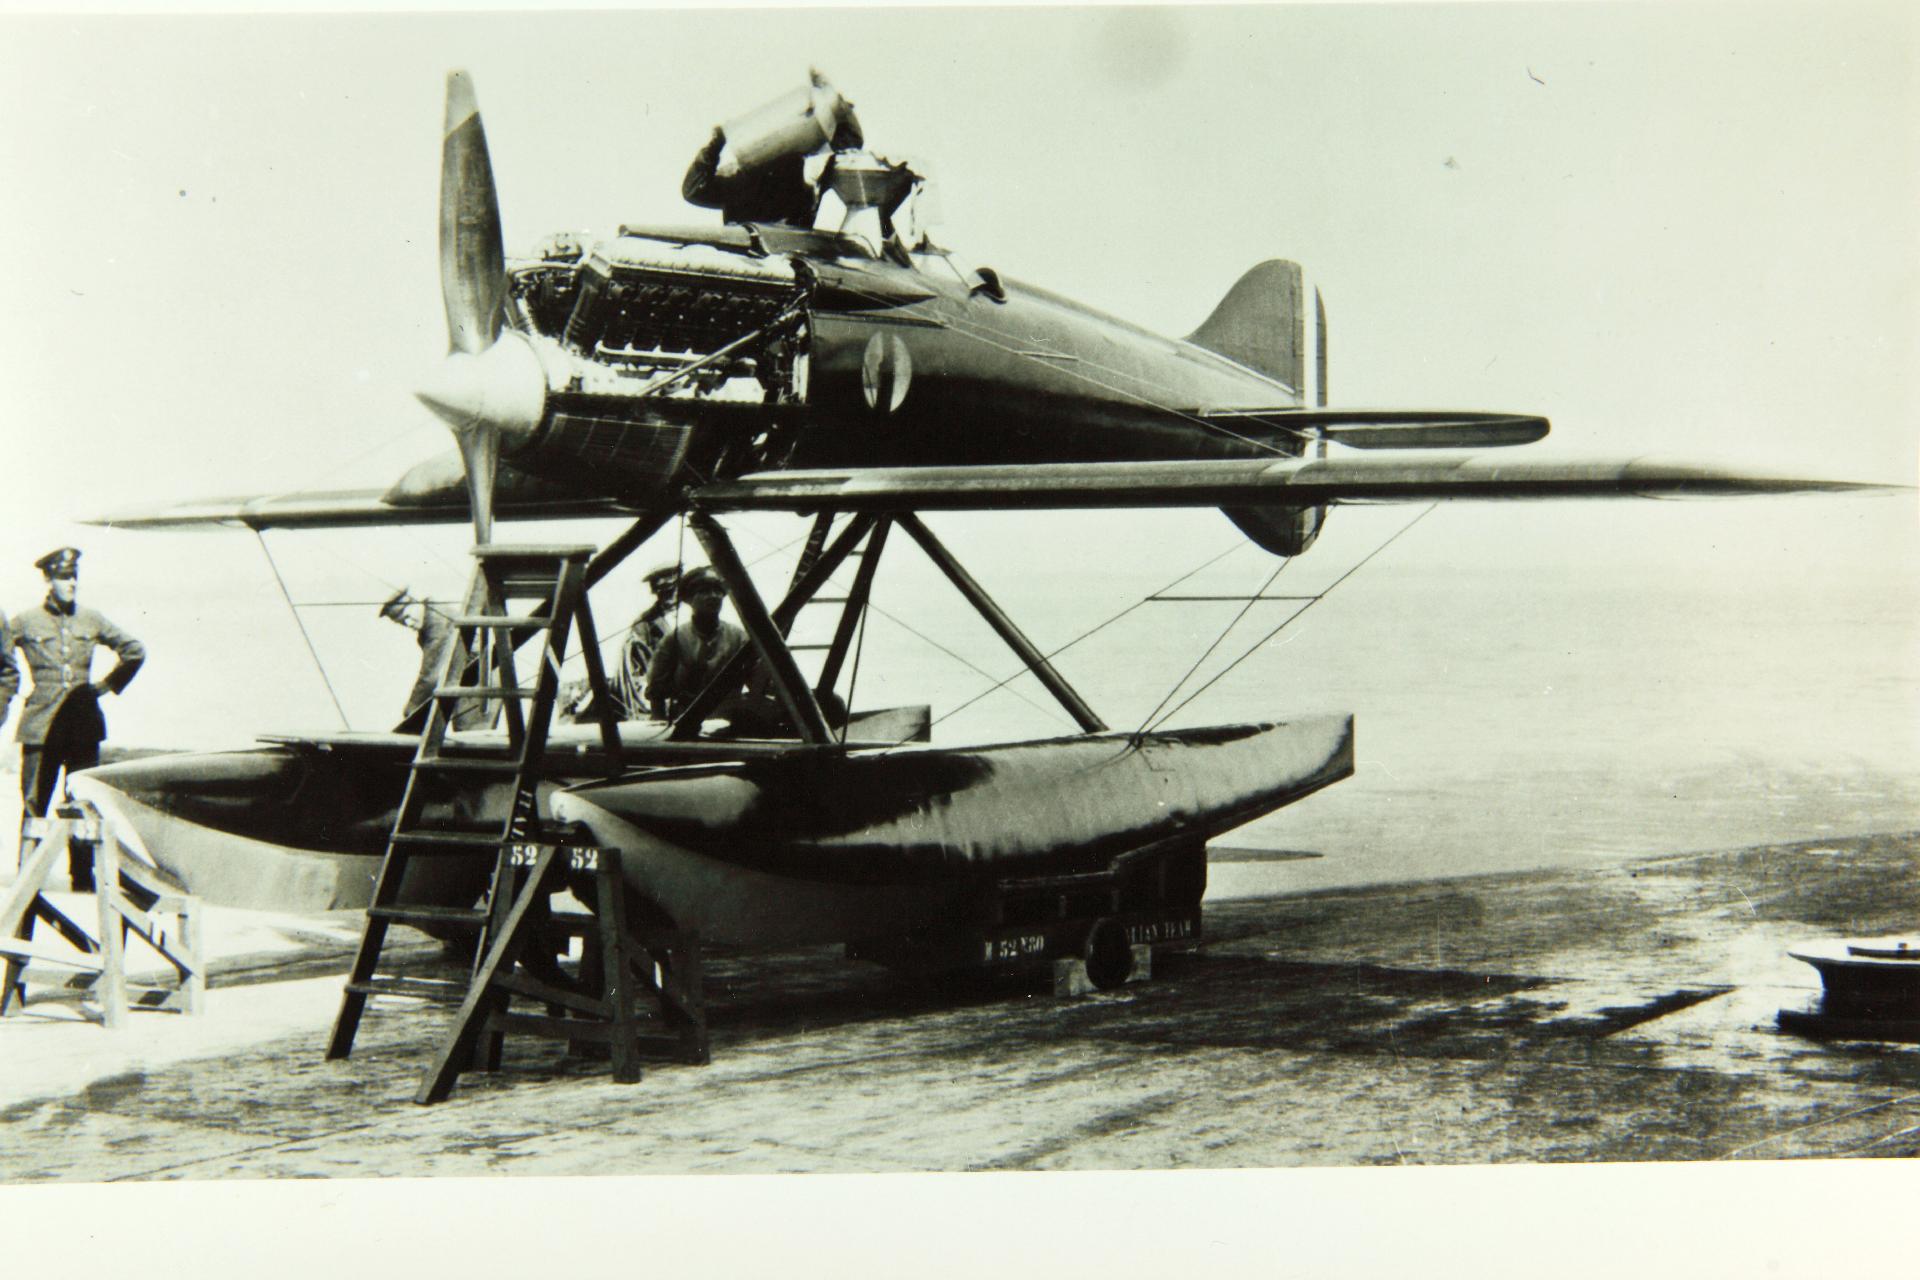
[664, 359]
[634, 297]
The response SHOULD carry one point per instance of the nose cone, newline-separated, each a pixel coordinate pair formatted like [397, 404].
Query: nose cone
[503, 387]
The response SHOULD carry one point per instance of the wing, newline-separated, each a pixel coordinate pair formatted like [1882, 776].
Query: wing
[341, 508]
[1236, 483]
[1232, 483]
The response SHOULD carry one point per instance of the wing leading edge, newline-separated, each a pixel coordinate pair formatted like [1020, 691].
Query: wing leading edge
[339, 509]
[1238, 482]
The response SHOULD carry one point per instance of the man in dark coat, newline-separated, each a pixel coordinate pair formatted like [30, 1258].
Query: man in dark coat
[435, 634]
[61, 724]
[694, 652]
[644, 639]
[780, 136]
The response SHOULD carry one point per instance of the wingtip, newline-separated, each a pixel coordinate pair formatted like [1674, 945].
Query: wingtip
[1718, 478]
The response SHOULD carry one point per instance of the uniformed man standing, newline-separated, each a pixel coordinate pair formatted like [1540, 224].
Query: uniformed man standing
[695, 651]
[57, 637]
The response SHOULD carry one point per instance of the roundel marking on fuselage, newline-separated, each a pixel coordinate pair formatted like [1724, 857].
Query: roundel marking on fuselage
[886, 371]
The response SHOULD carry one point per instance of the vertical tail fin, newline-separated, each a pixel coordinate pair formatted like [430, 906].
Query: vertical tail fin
[1264, 323]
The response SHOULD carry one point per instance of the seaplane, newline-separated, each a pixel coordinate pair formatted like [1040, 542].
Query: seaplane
[815, 352]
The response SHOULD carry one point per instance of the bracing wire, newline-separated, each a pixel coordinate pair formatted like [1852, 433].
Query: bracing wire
[299, 622]
[1218, 640]
[1289, 619]
[977, 669]
[1088, 634]
[910, 629]
[612, 645]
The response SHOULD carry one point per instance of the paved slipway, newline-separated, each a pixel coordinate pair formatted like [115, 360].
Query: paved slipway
[1618, 1013]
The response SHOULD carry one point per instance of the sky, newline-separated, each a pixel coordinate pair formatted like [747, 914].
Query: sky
[1681, 228]
[1678, 229]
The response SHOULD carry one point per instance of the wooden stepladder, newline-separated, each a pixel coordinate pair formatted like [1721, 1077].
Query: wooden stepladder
[521, 937]
[134, 900]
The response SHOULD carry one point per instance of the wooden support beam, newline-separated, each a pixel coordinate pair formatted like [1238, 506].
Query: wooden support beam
[611, 896]
[602, 697]
[483, 995]
[113, 945]
[130, 899]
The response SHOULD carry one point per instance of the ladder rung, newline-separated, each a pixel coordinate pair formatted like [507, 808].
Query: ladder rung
[645, 1035]
[828, 600]
[481, 691]
[526, 585]
[451, 839]
[803, 648]
[494, 551]
[431, 915]
[414, 988]
[501, 620]
[467, 764]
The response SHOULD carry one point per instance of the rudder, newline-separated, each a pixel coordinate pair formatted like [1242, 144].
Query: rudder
[1264, 324]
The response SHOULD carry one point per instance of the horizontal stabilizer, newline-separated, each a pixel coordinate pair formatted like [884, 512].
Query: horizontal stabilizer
[1236, 482]
[1388, 428]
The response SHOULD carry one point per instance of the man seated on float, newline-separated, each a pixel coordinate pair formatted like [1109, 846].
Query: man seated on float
[696, 650]
[627, 678]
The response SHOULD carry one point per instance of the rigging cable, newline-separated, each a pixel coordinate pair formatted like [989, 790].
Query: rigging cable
[833, 580]
[1218, 640]
[1088, 634]
[300, 623]
[1288, 621]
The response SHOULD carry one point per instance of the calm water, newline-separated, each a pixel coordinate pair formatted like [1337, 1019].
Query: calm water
[1532, 686]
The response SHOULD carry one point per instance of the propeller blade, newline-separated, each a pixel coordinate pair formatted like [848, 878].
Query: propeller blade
[480, 452]
[473, 276]
[473, 285]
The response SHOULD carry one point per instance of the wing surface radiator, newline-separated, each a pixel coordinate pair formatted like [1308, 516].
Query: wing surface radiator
[1266, 323]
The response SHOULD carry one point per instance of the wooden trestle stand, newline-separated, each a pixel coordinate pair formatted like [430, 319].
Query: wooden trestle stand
[597, 1009]
[134, 900]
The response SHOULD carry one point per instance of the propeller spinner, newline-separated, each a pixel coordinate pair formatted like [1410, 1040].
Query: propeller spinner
[491, 385]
